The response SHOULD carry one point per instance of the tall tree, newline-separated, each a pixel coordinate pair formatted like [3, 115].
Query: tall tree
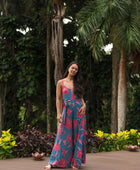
[112, 21]
[57, 37]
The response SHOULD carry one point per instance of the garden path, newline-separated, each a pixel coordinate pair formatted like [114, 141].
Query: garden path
[117, 160]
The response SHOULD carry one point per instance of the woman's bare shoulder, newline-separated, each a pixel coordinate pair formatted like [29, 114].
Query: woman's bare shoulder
[59, 83]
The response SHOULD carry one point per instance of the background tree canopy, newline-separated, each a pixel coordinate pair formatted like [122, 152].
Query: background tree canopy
[23, 69]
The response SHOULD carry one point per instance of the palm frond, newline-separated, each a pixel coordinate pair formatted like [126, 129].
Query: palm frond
[117, 20]
[128, 35]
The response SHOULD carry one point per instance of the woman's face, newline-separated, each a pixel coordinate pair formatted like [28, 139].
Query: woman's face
[73, 69]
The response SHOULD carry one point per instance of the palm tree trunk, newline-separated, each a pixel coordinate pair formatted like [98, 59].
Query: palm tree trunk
[48, 79]
[114, 117]
[122, 93]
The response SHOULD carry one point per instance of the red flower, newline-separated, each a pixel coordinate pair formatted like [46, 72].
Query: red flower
[77, 136]
[78, 113]
[83, 123]
[72, 96]
[64, 142]
[69, 111]
[55, 154]
[79, 154]
[70, 158]
[68, 123]
[69, 138]
[80, 141]
[65, 90]
[60, 129]
[56, 147]
[62, 163]
[74, 162]
[64, 152]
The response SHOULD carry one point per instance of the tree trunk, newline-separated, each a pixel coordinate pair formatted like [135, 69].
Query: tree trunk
[122, 93]
[57, 38]
[48, 79]
[5, 7]
[1, 115]
[114, 117]
[2, 105]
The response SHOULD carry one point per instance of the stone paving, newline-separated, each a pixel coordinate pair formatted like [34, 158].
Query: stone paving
[117, 160]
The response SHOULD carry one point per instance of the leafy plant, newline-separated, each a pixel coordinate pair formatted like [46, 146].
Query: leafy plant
[31, 140]
[92, 141]
[119, 141]
[7, 144]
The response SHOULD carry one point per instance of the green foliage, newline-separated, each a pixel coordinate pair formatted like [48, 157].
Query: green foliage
[7, 144]
[23, 64]
[133, 110]
[119, 141]
[101, 22]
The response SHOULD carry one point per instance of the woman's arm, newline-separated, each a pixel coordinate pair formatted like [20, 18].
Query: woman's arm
[82, 110]
[58, 100]
[83, 102]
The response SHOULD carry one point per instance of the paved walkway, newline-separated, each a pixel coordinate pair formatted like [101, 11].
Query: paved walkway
[120, 160]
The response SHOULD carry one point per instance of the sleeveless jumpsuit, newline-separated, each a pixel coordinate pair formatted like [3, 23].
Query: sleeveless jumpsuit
[70, 143]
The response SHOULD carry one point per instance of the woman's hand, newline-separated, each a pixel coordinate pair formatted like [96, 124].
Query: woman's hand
[82, 110]
[59, 118]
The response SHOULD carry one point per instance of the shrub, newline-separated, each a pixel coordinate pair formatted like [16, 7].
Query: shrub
[31, 140]
[91, 141]
[119, 141]
[7, 144]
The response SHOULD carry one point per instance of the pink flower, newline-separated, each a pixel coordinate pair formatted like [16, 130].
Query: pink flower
[70, 158]
[68, 123]
[80, 141]
[56, 147]
[77, 136]
[60, 129]
[69, 138]
[77, 101]
[75, 123]
[74, 162]
[70, 145]
[69, 111]
[64, 152]
[65, 90]
[79, 154]
[72, 95]
[64, 141]
[83, 123]
[55, 154]
[62, 163]
[78, 113]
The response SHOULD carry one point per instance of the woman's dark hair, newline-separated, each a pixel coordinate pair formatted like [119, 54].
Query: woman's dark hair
[77, 81]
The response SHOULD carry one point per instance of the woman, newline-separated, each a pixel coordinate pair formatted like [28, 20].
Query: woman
[70, 144]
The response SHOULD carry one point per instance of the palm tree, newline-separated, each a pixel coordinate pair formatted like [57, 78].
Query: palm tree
[102, 22]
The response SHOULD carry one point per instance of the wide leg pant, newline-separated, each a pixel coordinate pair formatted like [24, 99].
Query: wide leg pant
[70, 144]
